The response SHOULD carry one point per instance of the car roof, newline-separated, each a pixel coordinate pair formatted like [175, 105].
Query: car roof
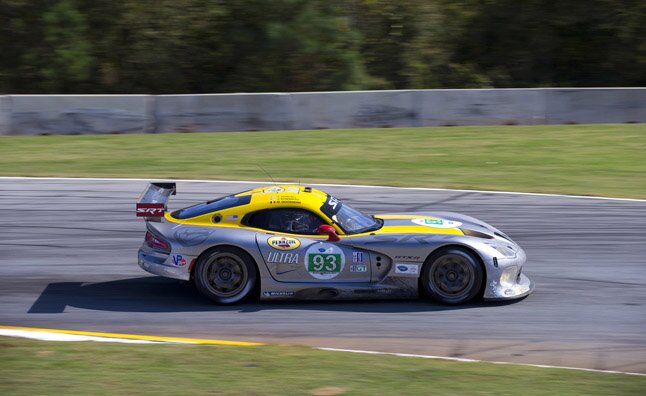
[285, 190]
[286, 195]
[260, 198]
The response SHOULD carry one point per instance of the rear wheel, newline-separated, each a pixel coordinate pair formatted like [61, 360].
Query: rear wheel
[225, 275]
[452, 276]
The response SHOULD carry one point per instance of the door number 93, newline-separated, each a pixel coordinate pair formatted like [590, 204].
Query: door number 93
[324, 263]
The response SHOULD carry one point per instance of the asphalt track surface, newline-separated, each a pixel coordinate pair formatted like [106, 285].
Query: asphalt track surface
[68, 261]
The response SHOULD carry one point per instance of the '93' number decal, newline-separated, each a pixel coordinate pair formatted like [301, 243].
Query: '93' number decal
[324, 263]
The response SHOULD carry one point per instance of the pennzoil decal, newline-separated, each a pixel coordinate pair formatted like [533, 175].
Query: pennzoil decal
[436, 223]
[283, 243]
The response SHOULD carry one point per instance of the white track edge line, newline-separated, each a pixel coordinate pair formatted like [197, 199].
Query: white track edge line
[456, 359]
[318, 185]
[51, 336]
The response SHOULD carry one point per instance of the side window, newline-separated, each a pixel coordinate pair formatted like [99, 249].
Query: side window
[293, 221]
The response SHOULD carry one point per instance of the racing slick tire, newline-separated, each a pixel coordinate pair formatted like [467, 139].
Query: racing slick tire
[452, 276]
[225, 275]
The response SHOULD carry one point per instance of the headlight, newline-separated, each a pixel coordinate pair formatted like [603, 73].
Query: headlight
[509, 275]
[506, 251]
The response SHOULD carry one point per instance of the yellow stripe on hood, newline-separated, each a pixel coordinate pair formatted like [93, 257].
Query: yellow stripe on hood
[414, 229]
[404, 224]
[401, 217]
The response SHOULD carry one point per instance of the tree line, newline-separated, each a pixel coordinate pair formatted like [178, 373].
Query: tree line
[200, 46]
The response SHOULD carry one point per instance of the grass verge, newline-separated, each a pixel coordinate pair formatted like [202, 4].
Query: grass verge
[603, 160]
[30, 367]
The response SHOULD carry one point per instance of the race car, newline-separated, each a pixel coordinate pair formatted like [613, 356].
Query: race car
[283, 242]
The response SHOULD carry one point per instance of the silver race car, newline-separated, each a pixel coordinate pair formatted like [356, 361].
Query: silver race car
[297, 242]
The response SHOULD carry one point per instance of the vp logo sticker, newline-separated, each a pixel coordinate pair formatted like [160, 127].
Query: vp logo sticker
[178, 260]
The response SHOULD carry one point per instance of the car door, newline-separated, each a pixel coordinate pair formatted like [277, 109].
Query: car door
[302, 256]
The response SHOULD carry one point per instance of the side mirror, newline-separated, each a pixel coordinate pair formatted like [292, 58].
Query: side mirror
[328, 230]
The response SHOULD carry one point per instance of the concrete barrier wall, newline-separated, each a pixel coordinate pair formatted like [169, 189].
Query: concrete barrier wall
[99, 114]
[481, 107]
[5, 114]
[595, 105]
[361, 109]
[80, 114]
[222, 112]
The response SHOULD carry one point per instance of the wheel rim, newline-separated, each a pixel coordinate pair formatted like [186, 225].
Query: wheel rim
[452, 276]
[226, 274]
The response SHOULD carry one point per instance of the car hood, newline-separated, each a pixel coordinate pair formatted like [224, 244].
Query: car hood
[435, 223]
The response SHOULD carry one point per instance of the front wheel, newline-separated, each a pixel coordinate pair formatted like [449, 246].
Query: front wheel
[225, 275]
[452, 276]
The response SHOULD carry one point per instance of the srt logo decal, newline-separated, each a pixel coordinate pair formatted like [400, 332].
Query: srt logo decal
[150, 209]
[331, 206]
[333, 202]
[178, 260]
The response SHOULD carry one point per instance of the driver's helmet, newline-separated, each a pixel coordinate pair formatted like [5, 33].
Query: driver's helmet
[297, 222]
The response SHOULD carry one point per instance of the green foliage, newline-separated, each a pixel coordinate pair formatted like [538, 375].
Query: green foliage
[66, 40]
[545, 43]
[197, 46]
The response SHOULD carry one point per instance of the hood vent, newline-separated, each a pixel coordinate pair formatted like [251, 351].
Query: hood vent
[476, 234]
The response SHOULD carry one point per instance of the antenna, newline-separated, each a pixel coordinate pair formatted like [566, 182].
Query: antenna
[267, 173]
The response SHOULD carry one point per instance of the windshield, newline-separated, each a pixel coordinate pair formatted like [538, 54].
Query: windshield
[349, 219]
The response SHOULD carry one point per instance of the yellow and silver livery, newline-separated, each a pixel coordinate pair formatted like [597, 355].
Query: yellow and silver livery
[297, 242]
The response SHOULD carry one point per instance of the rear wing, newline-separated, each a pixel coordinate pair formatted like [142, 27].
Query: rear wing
[152, 202]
